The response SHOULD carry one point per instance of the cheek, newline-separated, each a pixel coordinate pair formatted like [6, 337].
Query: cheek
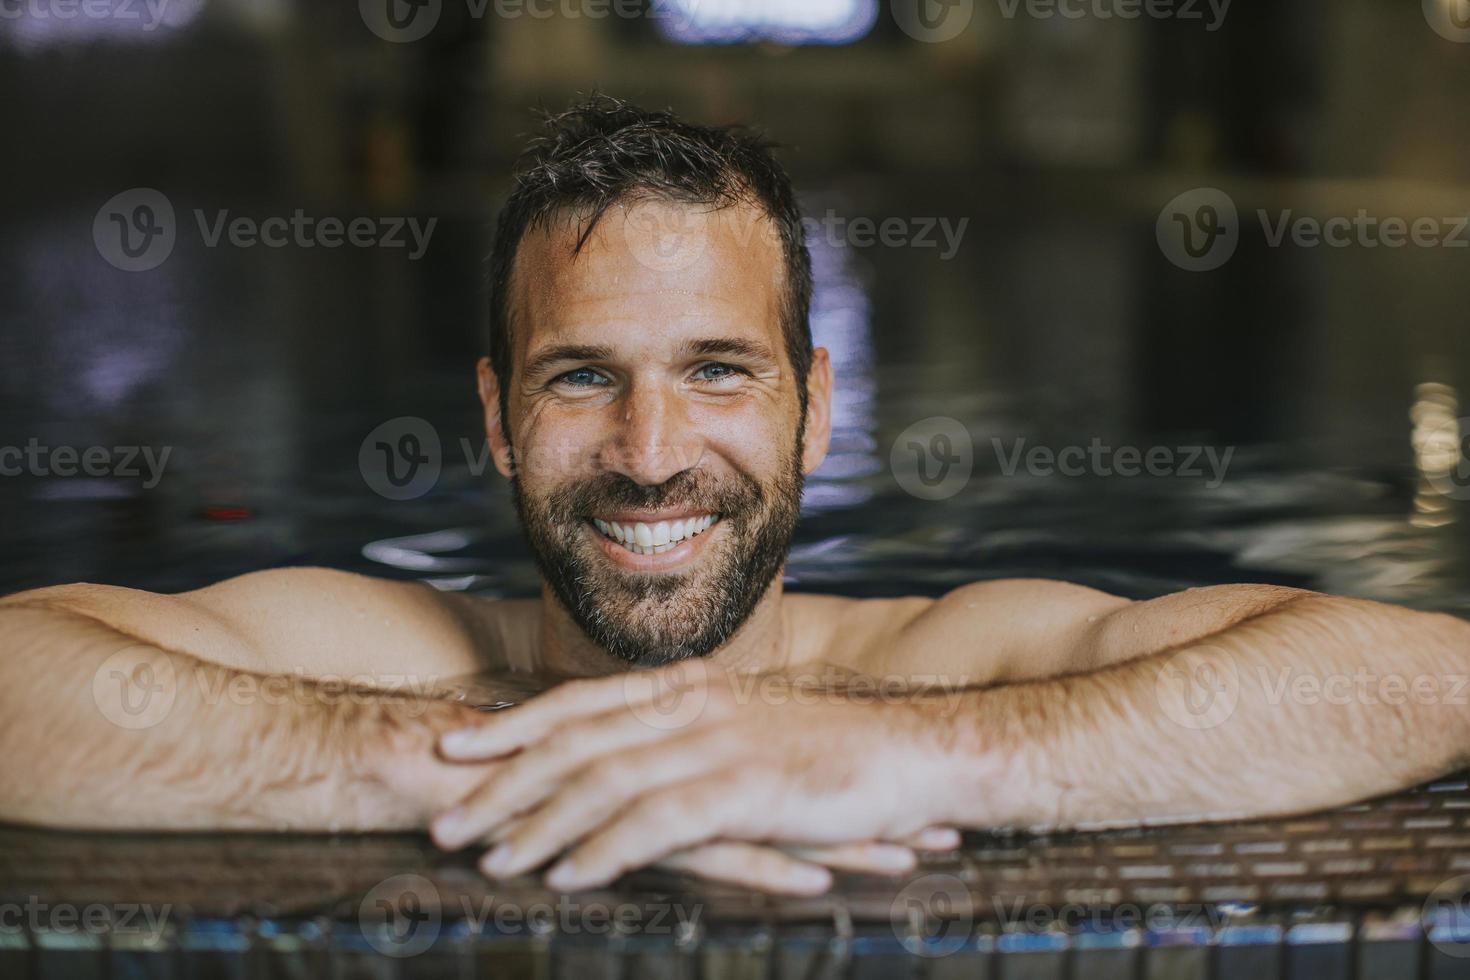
[752, 438]
[553, 447]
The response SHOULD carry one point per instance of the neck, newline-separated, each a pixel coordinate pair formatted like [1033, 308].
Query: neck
[762, 643]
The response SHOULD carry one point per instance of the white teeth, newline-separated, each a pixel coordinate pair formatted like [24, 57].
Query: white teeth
[653, 539]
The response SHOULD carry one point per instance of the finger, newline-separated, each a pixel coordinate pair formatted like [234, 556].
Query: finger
[864, 858]
[764, 869]
[658, 824]
[511, 827]
[597, 792]
[933, 839]
[506, 731]
[525, 780]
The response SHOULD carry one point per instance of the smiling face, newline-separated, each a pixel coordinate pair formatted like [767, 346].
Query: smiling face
[654, 422]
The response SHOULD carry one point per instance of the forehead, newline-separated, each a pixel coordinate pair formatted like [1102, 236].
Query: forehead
[650, 270]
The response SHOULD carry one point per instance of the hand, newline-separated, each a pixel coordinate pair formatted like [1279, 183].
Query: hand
[602, 768]
[792, 870]
[390, 751]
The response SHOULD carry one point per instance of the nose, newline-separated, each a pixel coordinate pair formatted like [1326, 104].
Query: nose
[653, 439]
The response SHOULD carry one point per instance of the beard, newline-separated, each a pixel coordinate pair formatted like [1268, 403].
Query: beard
[652, 618]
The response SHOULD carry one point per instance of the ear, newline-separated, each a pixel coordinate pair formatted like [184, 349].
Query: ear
[489, 388]
[818, 411]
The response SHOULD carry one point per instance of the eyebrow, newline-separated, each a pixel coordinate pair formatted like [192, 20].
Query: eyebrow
[729, 347]
[567, 352]
[708, 347]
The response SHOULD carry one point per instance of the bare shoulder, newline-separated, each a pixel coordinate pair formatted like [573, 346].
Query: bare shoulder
[842, 630]
[312, 620]
[980, 633]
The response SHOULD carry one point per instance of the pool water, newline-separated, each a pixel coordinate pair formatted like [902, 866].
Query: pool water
[1301, 409]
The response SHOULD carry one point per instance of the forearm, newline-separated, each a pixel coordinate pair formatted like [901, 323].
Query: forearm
[1334, 700]
[98, 729]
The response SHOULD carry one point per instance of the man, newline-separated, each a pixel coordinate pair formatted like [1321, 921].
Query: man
[653, 395]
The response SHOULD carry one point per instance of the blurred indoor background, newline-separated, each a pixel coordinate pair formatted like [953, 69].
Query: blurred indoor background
[1333, 374]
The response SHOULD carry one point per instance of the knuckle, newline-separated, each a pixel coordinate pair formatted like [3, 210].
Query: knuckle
[554, 741]
[764, 862]
[569, 693]
[595, 782]
[662, 809]
[709, 860]
[613, 778]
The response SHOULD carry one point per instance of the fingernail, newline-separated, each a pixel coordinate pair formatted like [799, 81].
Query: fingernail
[459, 742]
[939, 839]
[448, 827]
[563, 876]
[497, 861]
[811, 879]
[893, 860]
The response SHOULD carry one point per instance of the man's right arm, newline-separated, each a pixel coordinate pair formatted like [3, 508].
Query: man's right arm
[293, 699]
[212, 710]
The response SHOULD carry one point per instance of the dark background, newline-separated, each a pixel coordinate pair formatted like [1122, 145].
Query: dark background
[1333, 373]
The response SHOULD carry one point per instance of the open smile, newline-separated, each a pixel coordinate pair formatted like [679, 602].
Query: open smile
[654, 537]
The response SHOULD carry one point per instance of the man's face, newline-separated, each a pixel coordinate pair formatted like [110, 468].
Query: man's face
[654, 420]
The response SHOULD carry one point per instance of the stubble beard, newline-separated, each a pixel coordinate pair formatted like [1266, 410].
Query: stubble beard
[653, 618]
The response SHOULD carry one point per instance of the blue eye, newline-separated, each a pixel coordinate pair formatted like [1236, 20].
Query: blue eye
[716, 372]
[582, 377]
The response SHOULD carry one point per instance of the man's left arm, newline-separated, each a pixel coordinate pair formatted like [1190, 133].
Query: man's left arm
[1301, 701]
[1214, 703]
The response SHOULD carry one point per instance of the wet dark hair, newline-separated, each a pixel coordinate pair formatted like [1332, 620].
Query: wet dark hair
[604, 151]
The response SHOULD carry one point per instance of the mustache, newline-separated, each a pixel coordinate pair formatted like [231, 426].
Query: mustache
[732, 498]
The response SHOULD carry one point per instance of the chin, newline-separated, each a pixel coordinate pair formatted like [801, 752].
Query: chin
[631, 641]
